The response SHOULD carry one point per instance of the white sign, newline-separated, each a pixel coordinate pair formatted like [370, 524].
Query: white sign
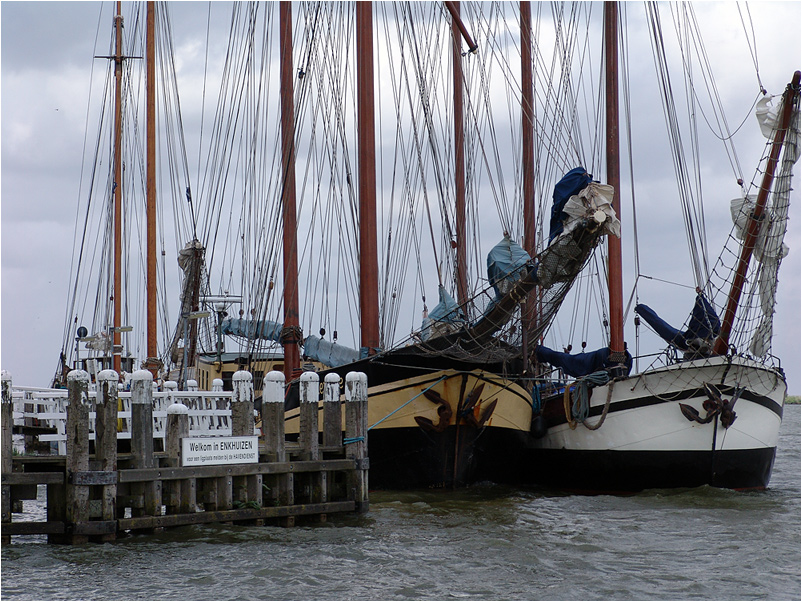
[206, 451]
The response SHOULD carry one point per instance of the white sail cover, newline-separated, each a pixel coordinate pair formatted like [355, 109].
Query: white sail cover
[595, 201]
[768, 114]
[769, 248]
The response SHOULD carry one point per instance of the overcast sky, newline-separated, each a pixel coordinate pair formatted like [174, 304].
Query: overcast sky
[47, 51]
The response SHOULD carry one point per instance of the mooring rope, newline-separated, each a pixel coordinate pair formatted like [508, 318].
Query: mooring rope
[581, 406]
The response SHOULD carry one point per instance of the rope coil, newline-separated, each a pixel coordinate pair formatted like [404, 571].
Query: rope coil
[578, 411]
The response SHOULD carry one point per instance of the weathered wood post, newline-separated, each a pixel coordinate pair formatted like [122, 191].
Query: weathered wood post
[308, 435]
[273, 416]
[356, 435]
[180, 495]
[8, 448]
[177, 429]
[77, 494]
[282, 487]
[242, 424]
[142, 441]
[106, 442]
[247, 489]
[332, 412]
[315, 483]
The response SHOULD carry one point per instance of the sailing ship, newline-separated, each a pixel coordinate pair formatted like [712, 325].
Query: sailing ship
[471, 393]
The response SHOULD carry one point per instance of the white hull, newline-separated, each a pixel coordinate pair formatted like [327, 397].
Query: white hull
[644, 421]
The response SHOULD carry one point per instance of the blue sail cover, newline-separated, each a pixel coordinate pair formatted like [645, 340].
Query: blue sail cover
[252, 329]
[704, 323]
[329, 353]
[579, 364]
[315, 348]
[447, 311]
[506, 263]
[571, 183]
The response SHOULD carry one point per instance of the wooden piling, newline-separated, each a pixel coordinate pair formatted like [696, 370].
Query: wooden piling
[281, 487]
[77, 493]
[8, 448]
[332, 412]
[142, 443]
[106, 442]
[180, 495]
[310, 396]
[314, 485]
[246, 489]
[242, 424]
[356, 435]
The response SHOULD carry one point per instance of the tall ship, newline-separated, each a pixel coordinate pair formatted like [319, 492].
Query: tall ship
[430, 193]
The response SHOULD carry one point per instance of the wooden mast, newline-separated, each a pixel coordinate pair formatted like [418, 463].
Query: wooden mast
[117, 188]
[527, 162]
[790, 98]
[459, 161]
[614, 270]
[368, 249]
[290, 335]
[150, 82]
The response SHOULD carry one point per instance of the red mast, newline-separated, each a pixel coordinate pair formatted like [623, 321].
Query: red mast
[150, 81]
[368, 249]
[459, 160]
[790, 98]
[614, 271]
[527, 160]
[118, 187]
[291, 333]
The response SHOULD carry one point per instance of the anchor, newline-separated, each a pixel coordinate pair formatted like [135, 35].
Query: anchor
[443, 411]
[465, 412]
[715, 406]
[471, 400]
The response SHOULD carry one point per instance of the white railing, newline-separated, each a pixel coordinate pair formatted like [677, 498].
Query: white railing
[209, 413]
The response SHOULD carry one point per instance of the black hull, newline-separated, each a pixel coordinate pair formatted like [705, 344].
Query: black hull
[411, 458]
[414, 459]
[603, 471]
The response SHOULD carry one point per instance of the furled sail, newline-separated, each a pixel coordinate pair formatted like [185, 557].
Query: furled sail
[770, 248]
[191, 261]
[446, 317]
[252, 329]
[329, 353]
[703, 326]
[580, 364]
[582, 214]
[506, 264]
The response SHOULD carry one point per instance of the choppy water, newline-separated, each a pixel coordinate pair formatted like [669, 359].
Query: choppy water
[486, 542]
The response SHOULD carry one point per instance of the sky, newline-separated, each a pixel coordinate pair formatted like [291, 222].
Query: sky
[46, 51]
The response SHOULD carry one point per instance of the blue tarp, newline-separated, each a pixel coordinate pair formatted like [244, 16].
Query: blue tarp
[446, 311]
[506, 262]
[579, 364]
[329, 353]
[703, 324]
[571, 183]
[252, 329]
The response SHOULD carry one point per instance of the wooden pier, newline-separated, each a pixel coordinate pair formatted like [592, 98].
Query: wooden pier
[96, 492]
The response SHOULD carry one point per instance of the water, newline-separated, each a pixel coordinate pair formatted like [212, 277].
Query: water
[486, 542]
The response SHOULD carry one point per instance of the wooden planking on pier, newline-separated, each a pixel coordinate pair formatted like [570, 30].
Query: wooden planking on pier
[95, 497]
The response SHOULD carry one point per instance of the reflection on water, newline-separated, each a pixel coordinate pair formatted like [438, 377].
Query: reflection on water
[485, 542]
